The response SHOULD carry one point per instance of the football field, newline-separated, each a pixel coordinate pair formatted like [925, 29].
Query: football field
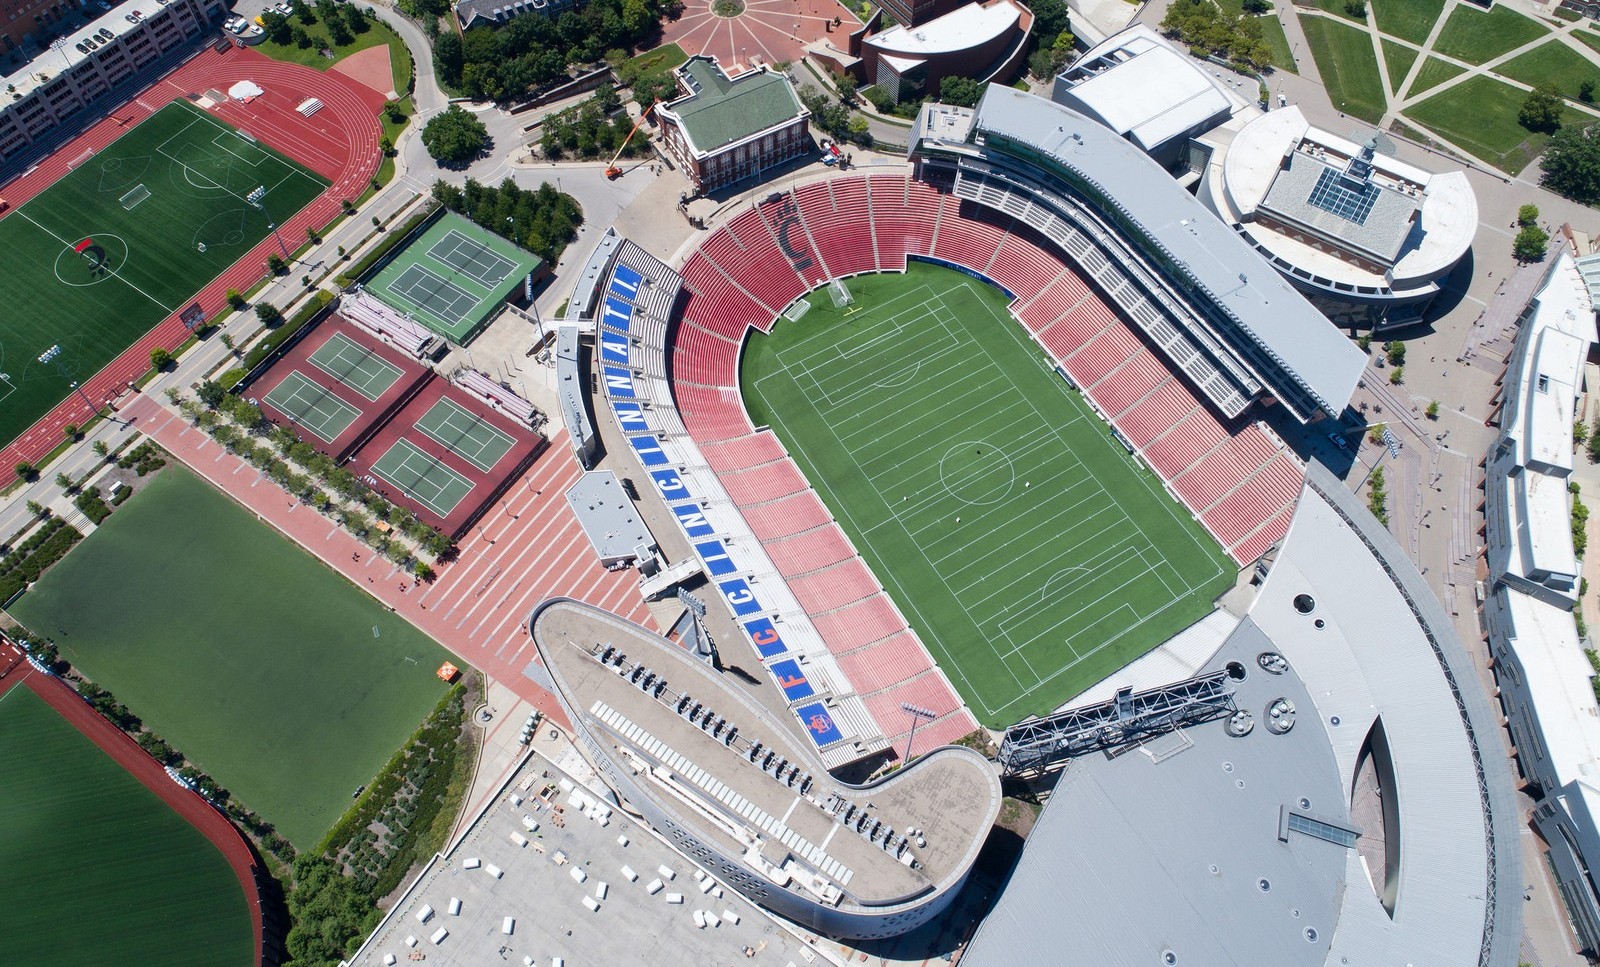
[99, 870]
[1029, 550]
[125, 239]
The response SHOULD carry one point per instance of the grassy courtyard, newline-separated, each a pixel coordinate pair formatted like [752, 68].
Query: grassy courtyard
[1480, 115]
[1407, 19]
[1556, 63]
[286, 684]
[1030, 552]
[1348, 66]
[100, 871]
[377, 32]
[1476, 36]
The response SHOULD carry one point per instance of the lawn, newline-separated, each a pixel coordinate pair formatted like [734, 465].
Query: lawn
[1589, 40]
[1407, 19]
[124, 240]
[1433, 73]
[1337, 8]
[1398, 58]
[1554, 62]
[1480, 115]
[1348, 66]
[288, 685]
[99, 870]
[1476, 36]
[1272, 35]
[1030, 552]
[377, 32]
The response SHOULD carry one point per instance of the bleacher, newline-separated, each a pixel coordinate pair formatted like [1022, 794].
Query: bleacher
[385, 323]
[497, 396]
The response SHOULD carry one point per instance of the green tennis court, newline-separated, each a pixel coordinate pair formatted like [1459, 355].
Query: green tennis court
[422, 478]
[99, 870]
[126, 238]
[1031, 553]
[312, 407]
[453, 277]
[356, 366]
[450, 425]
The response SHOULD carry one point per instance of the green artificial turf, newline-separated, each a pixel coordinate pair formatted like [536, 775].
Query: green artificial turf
[1476, 36]
[242, 650]
[1433, 73]
[139, 264]
[99, 870]
[1030, 552]
[1348, 66]
[1398, 58]
[1407, 19]
[1480, 115]
[1552, 62]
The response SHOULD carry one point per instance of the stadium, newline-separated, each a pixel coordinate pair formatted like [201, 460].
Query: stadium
[955, 450]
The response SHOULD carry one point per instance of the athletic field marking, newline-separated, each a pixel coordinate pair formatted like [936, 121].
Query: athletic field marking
[114, 272]
[465, 434]
[190, 174]
[434, 294]
[472, 259]
[356, 366]
[422, 477]
[311, 406]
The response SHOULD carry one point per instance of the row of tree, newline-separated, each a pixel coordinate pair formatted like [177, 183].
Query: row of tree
[532, 50]
[592, 129]
[541, 220]
[343, 22]
[1206, 29]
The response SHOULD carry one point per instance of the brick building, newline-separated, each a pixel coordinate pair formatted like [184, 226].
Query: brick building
[21, 18]
[723, 129]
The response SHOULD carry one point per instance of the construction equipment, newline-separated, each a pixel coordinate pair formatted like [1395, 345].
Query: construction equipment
[612, 171]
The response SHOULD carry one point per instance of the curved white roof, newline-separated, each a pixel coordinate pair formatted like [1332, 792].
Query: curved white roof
[961, 29]
[1446, 223]
[1138, 86]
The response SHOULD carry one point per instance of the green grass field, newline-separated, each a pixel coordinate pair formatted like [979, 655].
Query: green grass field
[1282, 54]
[377, 33]
[1480, 115]
[288, 685]
[1348, 66]
[1555, 63]
[1589, 40]
[1398, 58]
[99, 870]
[1030, 552]
[1475, 36]
[1433, 73]
[1407, 19]
[143, 263]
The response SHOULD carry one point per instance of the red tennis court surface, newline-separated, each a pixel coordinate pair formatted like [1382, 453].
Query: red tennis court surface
[340, 142]
[16, 671]
[767, 32]
[369, 412]
[528, 547]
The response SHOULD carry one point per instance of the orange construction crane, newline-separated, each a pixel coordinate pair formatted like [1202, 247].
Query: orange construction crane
[612, 171]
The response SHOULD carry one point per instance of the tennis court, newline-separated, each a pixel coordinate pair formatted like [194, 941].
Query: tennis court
[471, 258]
[312, 407]
[468, 435]
[356, 366]
[422, 477]
[453, 277]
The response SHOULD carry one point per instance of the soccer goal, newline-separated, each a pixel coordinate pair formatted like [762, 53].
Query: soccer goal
[134, 197]
[840, 295]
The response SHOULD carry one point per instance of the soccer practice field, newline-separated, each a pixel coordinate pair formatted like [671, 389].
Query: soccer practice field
[280, 679]
[125, 239]
[99, 870]
[1029, 550]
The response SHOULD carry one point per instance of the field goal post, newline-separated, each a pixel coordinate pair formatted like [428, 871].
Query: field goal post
[134, 197]
[839, 294]
[75, 163]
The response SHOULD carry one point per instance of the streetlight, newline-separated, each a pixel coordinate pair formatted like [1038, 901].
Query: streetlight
[917, 714]
[52, 355]
[257, 200]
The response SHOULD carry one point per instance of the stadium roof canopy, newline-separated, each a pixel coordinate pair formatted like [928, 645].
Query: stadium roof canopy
[1195, 245]
[1371, 832]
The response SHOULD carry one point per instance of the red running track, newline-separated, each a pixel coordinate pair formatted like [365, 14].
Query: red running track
[15, 671]
[339, 142]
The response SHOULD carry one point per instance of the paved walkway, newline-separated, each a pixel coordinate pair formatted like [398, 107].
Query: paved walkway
[528, 547]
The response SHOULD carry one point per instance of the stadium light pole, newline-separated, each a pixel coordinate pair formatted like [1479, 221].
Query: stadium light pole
[52, 355]
[917, 714]
[257, 199]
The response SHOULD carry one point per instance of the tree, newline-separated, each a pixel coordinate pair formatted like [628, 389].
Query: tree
[1433, 410]
[65, 483]
[37, 509]
[160, 358]
[227, 343]
[338, 31]
[1397, 375]
[1531, 244]
[1257, 6]
[299, 36]
[1586, 92]
[70, 431]
[277, 27]
[1541, 111]
[1571, 164]
[453, 136]
[268, 313]
[100, 449]
[1356, 8]
[1395, 350]
[960, 91]
[1528, 215]
[211, 393]
[276, 265]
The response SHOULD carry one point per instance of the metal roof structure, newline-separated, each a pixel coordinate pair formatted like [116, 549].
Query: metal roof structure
[1279, 333]
[1372, 830]
[609, 518]
[719, 110]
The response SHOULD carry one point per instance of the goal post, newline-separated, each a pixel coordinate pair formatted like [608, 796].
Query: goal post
[840, 295]
[138, 194]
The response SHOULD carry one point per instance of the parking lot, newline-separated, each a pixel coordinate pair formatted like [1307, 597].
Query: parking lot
[567, 894]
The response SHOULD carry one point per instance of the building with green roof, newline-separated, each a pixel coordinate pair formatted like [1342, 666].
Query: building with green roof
[724, 129]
